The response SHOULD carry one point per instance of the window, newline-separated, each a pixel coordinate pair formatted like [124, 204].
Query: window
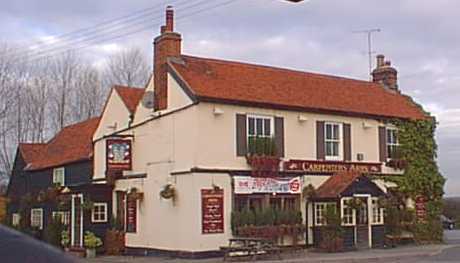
[259, 127]
[59, 176]
[16, 219]
[64, 216]
[392, 144]
[99, 213]
[262, 201]
[36, 218]
[348, 217]
[377, 212]
[320, 209]
[332, 139]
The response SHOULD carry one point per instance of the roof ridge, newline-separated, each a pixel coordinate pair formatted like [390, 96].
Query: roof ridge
[126, 87]
[298, 71]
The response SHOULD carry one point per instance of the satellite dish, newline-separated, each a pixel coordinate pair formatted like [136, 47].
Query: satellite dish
[147, 100]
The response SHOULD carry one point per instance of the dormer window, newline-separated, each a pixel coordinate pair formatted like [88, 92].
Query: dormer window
[59, 176]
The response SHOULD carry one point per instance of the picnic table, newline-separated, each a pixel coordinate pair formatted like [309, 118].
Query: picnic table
[250, 247]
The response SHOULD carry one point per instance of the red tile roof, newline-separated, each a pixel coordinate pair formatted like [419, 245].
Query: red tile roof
[336, 184]
[234, 82]
[31, 151]
[130, 96]
[73, 143]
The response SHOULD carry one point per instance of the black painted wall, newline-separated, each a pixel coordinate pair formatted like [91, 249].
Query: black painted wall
[348, 237]
[378, 236]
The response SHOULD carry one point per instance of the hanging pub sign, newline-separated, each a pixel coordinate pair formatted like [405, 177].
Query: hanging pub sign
[253, 185]
[212, 207]
[420, 208]
[308, 166]
[118, 154]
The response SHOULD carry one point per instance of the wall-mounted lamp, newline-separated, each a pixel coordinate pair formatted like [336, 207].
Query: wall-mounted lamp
[218, 111]
[367, 125]
[302, 118]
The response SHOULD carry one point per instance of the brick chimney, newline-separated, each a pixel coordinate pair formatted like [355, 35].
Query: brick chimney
[385, 74]
[167, 44]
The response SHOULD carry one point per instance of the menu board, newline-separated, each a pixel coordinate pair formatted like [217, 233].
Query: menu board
[212, 206]
[131, 214]
[420, 207]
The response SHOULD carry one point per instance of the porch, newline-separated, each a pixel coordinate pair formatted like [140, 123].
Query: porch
[346, 213]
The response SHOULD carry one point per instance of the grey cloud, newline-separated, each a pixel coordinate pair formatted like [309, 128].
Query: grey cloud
[419, 36]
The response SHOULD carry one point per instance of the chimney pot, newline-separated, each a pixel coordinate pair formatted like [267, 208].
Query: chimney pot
[385, 74]
[380, 59]
[169, 19]
[166, 45]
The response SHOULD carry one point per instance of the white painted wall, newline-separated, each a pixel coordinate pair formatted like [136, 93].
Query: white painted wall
[196, 137]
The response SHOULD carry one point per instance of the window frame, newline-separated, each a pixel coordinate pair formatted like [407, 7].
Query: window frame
[15, 219]
[319, 217]
[59, 169]
[344, 206]
[104, 213]
[64, 216]
[395, 144]
[32, 217]
[376, 207]
[339, 141]
[263, 117]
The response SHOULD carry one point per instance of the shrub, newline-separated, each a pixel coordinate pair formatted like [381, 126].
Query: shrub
[53, 232]
[91, 240]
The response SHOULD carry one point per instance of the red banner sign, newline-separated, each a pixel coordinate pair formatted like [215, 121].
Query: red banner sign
[212, 205]
[331, 166]
[118, 154]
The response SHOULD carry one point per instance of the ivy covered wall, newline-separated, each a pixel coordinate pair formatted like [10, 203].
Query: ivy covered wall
[421, 177]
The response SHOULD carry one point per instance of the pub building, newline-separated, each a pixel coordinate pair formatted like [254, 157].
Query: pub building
[208, 139]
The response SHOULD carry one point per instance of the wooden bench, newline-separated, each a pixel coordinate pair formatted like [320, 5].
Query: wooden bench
[392, 240]
[250, 247]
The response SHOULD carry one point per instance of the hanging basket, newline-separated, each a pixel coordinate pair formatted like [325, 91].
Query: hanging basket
[308, 192]
[168, 192]
[134, 193]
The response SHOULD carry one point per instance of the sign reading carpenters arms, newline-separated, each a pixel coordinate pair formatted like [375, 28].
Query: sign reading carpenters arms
[331, 166]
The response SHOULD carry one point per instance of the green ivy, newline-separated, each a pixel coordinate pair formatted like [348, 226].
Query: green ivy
[421, 175]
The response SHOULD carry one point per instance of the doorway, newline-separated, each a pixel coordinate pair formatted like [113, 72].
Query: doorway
[362, 224]
[76, 228]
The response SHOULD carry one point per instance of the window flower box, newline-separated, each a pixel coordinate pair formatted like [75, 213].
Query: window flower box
[264, 166]
[398, 164]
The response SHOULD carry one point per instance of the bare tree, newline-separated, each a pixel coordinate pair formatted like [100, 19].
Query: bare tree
[63, 71]
[128, 67]
[89, 94]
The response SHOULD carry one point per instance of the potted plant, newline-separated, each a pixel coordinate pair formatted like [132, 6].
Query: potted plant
[91, 243]
[332, 240]
[65, 239]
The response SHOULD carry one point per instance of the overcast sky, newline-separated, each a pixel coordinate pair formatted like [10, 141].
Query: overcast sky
[420, 37]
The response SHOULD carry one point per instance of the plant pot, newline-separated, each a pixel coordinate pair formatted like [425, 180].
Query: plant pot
[90, 253]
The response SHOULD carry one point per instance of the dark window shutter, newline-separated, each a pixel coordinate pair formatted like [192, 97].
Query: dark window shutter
[382, 144]
[279, 136]
[346, 142]
[241, 136]
[320, 153]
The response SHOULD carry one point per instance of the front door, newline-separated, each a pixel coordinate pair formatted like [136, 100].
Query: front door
[362, 224]
[77, 221]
